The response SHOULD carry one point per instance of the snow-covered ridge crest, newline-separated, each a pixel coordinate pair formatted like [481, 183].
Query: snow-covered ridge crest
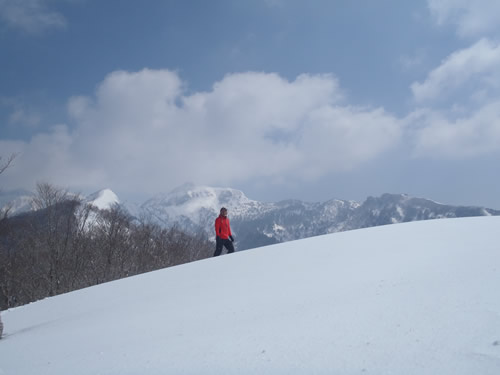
[103, 199]
[19, 201]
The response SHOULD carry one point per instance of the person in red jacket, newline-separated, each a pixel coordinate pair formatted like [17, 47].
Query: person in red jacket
[223, 235]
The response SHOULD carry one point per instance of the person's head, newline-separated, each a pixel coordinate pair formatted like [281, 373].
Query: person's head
[223, 211]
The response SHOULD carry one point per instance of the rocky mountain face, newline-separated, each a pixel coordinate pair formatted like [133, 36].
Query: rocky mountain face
[194, 209]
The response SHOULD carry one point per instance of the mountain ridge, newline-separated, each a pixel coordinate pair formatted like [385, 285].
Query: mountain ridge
[263, 223]
[193, 208]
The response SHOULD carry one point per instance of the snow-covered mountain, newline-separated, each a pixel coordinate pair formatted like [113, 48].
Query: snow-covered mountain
[20, 201]
[194, 209]
[417, 298]
[255, 223]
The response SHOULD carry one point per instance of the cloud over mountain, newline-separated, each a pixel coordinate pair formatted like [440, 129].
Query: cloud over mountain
[249, 125]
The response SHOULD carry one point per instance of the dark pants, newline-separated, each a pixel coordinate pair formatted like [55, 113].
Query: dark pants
[219, 242]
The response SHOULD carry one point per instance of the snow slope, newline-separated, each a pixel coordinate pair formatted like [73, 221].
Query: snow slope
[414, 298]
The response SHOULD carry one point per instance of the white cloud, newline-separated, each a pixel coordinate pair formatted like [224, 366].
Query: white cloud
[45, 157]
[341, 138]
[439, 135]
[464, 94]
[23, 118]
[142, 132]
[32, 16]
[460, 98]
[476, 68]
[472, 18]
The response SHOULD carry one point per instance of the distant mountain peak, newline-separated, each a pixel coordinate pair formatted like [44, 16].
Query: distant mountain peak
[196, 206]
[103, 199]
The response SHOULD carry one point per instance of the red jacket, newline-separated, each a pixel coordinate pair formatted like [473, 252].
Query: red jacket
[222, 227]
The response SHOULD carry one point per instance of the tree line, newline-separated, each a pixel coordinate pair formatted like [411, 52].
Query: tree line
[64, 244]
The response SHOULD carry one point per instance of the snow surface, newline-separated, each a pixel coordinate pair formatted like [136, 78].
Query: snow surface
[414, 298]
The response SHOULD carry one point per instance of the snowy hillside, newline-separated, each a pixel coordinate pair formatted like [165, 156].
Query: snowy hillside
[415, 298]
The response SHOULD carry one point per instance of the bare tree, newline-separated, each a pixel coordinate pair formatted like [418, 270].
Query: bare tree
[48, 196]
[77, 270]
[144, 247]
[7, 262]
[7, 163]
[4, 212]
[3, 167]
[113, 232]
[54, 231]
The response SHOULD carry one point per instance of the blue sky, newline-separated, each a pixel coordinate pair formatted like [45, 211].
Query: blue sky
[281, 99]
